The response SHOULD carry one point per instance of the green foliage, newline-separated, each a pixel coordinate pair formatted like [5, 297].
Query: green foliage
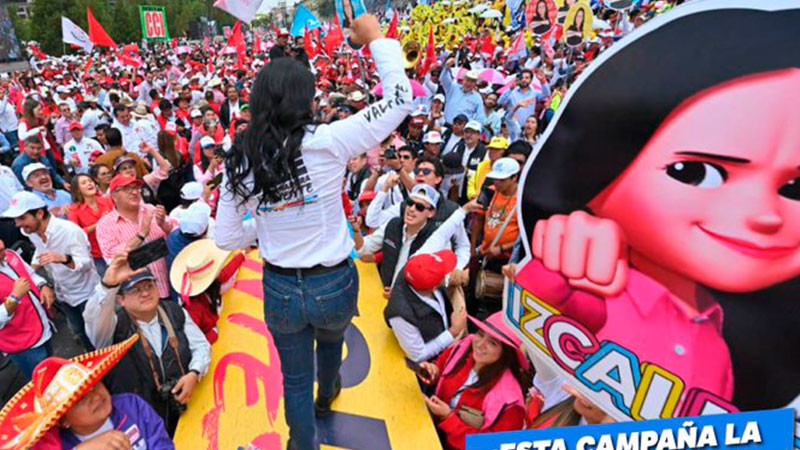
[120, 19]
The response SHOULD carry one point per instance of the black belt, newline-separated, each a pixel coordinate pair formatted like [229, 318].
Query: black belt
[319, 269]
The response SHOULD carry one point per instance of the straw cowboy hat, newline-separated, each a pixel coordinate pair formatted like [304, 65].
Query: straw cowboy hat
[57, 385]
[196, 267]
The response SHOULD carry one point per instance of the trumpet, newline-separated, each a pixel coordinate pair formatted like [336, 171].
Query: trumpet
[412, 52]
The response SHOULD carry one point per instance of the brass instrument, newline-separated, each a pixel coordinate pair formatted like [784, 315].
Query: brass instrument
[412, 52]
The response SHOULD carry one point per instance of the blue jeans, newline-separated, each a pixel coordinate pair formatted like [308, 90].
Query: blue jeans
[26, 361]
[74, 316]
[300, 309]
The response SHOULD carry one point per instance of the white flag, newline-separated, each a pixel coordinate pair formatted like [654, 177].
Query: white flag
[72, 34]
[244, 10]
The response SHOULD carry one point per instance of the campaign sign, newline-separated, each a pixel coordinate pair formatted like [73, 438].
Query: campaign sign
[759, 430]
[154, 23]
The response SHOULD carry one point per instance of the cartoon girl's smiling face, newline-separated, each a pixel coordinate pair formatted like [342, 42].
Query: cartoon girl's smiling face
[714, 196]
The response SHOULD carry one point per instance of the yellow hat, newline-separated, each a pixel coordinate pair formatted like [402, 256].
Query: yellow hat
[196, 267]
[498, 143]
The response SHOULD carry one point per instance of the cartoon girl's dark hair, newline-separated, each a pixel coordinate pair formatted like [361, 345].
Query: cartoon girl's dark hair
[620, 101]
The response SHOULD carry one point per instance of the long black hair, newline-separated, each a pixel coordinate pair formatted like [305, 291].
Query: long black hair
[281, 107]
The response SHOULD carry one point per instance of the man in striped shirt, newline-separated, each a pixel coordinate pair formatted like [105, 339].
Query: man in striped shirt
[132, 223]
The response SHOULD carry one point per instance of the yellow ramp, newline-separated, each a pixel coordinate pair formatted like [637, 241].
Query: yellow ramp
[240, 400]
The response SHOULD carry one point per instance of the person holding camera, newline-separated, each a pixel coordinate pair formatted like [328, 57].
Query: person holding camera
[171, 355]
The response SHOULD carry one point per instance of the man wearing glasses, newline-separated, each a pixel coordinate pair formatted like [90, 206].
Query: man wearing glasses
[171, 355]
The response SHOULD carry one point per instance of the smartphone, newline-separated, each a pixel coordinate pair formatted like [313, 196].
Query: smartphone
[215, 181]
[147, 253]
[419, 370]
[485, 197]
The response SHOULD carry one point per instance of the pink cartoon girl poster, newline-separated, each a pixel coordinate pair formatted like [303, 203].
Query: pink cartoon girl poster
[662, 276]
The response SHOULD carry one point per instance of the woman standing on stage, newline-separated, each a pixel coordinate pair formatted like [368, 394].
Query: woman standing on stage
[289, 172]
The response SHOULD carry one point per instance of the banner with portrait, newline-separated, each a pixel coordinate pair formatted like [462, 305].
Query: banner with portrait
[541, 16]
[578, 24]
[661, 220]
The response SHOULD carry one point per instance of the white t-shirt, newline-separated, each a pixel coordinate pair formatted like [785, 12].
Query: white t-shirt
[83, 150]
[310, 229]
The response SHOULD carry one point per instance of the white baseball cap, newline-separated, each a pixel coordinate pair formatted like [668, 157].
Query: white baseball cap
[207, 141]
[22, 202]
[432, 137]
[61, 89]
[474, 125]
[439, 97]
[32, 167]
[196, 113]
[194, 220]
[192, 191]
[503, 168]
[429, 194]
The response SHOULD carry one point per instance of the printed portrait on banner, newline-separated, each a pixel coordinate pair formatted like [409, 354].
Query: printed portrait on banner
[660, 217]
[578, 24]
[541, 15]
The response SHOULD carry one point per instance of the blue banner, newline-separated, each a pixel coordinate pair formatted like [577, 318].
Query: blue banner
[760, 430]
[303, 18]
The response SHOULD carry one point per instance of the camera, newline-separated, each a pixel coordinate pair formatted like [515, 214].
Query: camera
[165, 394]
[390, 153]
[219, 151]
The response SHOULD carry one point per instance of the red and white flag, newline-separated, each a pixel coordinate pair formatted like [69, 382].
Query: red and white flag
[244, 10]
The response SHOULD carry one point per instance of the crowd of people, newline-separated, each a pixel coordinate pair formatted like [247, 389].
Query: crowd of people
[115, 181]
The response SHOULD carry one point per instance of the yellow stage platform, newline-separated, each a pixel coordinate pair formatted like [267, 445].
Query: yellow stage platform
[240, 401]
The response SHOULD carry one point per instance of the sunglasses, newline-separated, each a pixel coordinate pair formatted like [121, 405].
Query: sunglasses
[406, 157]
[425, 171]
[418, 206]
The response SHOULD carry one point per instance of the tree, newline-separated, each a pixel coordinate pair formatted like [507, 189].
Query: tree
[46, 24]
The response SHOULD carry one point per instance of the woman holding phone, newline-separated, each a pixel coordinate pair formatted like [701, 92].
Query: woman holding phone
[289, 171]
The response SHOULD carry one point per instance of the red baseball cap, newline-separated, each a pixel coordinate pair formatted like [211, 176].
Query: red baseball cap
[121, 181]
[427, 271]
[75, 126]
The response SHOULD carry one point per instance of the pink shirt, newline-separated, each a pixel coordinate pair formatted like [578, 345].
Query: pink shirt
[648, 320]
[114, 231]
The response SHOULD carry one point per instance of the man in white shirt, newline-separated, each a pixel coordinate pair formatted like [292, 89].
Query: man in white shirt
[62, 248]
[79, 149]
[8, 119]
[63, 97]
[182, 363]
[132, 134]
[91, 117]
[416, 311]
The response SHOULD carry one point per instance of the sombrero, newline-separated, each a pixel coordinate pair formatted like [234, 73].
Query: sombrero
[196, 267]
[57, 385]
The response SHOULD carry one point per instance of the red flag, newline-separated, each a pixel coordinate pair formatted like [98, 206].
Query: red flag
[392, 31]
[97, 34]
[130, 55]
[334, 37]
[38, 53]
[430, 54]
[236, 35]
[174, 42]
[311, 49]
[87, 67]
[487, 45]
[256, 43]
